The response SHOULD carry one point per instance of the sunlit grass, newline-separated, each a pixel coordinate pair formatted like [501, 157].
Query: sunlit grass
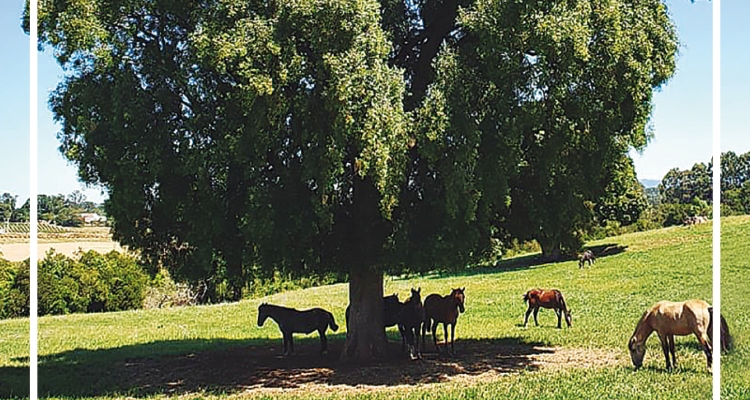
[735, 292]
[606, 300]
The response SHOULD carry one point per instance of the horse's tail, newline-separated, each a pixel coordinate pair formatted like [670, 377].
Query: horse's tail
[526, 296]
[725, 337]
[561, 300]
[332, 322]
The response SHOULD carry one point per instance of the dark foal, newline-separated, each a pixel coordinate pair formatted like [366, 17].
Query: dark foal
[293, 321]
[410, 322]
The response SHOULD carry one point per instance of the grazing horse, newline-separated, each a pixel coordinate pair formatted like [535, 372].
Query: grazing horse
[668, 319]
[587, 255]
[410, 322]
[445, 310]
[293, 321]
[548, 299]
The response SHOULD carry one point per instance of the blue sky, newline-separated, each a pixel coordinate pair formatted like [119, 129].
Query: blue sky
[14, 102]
[681, 120]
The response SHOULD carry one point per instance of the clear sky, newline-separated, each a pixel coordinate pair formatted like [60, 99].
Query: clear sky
[735, 87]
[14, 102]
[681, 120]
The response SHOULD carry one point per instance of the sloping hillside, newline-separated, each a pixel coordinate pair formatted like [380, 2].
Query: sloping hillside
[219, 351]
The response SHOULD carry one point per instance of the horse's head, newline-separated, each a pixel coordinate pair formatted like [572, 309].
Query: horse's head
[458, 298]
[262, 314]
[416, 295]
[568, 318]
[637, 351]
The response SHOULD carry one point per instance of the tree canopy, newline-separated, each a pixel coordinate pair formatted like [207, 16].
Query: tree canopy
[235, 138]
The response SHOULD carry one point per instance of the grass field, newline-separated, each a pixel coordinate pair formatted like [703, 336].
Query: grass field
[219, 352]
[735, 290]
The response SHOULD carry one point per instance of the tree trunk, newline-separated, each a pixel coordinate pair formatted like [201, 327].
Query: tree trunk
[550, 249]
[365, 336]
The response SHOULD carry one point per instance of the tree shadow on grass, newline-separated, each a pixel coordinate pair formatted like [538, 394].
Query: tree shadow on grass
[534, 260]
[230, 366]
[14, 382]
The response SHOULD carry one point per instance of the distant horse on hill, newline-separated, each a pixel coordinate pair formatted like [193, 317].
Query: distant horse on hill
[587, 256]
[668, 319]
[293, 321]
[445, 310]
[547, 299]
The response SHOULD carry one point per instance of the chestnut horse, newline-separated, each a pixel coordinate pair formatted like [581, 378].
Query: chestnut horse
[548, 299]
[668, 319]
[445, 310]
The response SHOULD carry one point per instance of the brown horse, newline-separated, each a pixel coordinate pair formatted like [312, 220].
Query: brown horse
[668, 319]
[548, 299]
[445, 310]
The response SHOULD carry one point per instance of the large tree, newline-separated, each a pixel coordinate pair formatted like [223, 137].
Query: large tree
[242, 137]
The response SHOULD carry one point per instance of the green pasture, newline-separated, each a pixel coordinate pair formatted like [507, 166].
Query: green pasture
[204, 352]
[735, 292]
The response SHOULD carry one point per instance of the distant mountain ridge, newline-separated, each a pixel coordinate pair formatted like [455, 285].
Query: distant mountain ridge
[650, 183]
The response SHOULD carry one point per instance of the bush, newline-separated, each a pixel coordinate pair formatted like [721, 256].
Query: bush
[14, 289]
[93, 282]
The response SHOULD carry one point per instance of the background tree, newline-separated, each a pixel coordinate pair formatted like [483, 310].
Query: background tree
[238, 138]
[574, 81]
[7, 206]
[21, 214]
[682, 187]
[735, 183]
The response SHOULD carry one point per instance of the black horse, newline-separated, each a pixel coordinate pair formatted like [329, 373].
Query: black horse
[410, 322]
[294, 321]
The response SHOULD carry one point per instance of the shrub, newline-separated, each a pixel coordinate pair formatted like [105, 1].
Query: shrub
[14, 289]
[93, 282]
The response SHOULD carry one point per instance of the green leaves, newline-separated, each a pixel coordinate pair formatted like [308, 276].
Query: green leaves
[240, 137]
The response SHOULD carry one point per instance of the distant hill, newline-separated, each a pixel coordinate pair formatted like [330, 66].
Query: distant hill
[650, 183]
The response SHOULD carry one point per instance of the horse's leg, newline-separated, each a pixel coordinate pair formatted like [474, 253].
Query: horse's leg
[559, 318]
[434, 335]
[670, 338]
[664, 339]
[416, 342]
[445, 335]
[536, 311]
[287, 339]
[526, 318]
[707, 348]
[323, 341]
[453, 335]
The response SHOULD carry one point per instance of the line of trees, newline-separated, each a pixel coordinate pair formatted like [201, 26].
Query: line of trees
[695, 185]
[57, 209]
[66, 210]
